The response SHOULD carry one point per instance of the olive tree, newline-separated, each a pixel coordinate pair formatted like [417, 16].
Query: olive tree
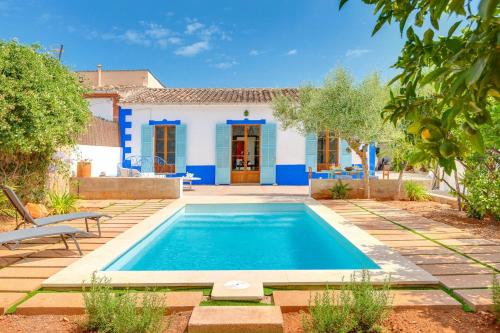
[42, 109]
[350, 110]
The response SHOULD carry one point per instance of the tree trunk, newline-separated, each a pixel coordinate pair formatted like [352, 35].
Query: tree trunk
[457, 188]
[366, 175]
[400, 181]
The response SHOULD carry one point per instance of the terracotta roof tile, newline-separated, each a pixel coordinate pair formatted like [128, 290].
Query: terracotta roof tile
[203, 95]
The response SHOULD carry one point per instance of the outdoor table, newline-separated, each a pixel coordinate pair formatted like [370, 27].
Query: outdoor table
[189, 182]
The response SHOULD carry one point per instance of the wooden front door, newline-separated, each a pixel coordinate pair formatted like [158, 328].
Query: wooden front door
[245, 154]
[164, 154]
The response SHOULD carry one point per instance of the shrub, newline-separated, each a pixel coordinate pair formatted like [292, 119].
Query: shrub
[415, 191]
[329, 313]
[356, 307]
[340, 190]
[6, 207]
[496, 297]
[62, 203]
[109, 312]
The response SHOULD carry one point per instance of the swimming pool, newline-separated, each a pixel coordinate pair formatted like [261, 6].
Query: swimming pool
[275, 236]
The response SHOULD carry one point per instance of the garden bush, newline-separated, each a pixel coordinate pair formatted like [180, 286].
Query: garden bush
[129, 312]
[415, 191]
[340, 190]
[356, 307]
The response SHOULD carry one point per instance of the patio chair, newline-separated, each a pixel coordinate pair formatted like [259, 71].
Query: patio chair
[17, 236]
[43, 221]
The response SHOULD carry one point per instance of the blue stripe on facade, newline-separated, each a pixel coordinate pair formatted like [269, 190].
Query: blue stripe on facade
[123, 124]
[205, 172]
[246, 121]
[371, 161]
[164, 122]
[291, 174]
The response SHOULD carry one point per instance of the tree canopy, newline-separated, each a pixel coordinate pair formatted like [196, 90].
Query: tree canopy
[42, 109]
[348, 109]
[462, 67]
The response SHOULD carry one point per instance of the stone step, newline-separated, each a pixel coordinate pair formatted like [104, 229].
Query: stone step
[9, 299]
[478, 299]
[73, 303]
[236, 319]
[238, 291]
[466, 281]
[296, 300]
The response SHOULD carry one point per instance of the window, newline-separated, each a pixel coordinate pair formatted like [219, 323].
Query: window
[328, 151]
[164, 149]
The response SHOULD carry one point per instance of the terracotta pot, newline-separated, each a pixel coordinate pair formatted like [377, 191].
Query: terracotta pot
[84, 169]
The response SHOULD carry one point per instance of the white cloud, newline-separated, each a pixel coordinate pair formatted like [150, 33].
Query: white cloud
[134, 37]
[292, 52]
[357, 52]
[193, 49]
[191, 28]
[165, 42]
[156, 31]
[255, 52]
[224, 64]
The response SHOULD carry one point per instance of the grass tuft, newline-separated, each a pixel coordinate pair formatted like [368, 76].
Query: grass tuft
[415, 191]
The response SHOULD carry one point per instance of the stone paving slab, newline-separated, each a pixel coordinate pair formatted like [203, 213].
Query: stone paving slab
[73, 303]
[296, 300]
[405, 243]
[478, 241]
[424, 250]
[19, 285]
[478, 299]
[4, 262]
[407, 236]
[466, 281]
[44, 262]
[238, 290]
[487, 257]
[236, 319]
[478, 249]
[28, 272]
[455, 269]
[9, 299]
[429, 259]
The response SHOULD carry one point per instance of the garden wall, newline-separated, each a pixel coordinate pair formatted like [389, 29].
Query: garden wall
[102, 188]
[384, 189]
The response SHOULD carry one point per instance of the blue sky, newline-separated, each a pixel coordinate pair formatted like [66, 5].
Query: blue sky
[216, 43]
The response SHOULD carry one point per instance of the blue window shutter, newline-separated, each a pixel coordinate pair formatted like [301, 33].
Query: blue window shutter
[345, 156]
[147, 133]
[180, 149]
[223, 154]
[268, 154]
[312, 152]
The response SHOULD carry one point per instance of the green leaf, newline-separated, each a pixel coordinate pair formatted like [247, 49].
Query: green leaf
[342, 3]
[414, 128]
[428, 35]
[477, 142]
[431, 76]
[474, 73]
[454, 27]
[487, 8]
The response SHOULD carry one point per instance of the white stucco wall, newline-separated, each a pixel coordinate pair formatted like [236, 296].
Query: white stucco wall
[104, 159]
[102, 107]
[201, 121]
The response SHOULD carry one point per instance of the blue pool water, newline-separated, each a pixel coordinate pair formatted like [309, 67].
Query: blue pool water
[243, 237]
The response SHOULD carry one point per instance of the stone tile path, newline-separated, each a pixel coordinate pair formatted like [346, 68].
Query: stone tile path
[461, 261]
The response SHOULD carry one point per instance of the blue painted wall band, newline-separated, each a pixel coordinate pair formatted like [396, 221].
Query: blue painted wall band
[164, 122]
[123, 124]
[246, 121]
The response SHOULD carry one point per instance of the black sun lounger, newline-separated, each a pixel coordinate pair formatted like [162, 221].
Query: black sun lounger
[17, 236]
[27, 218]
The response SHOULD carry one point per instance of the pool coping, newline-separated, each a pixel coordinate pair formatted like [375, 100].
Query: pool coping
[78, 274]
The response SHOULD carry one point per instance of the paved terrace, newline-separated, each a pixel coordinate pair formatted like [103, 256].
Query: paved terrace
[463, 263]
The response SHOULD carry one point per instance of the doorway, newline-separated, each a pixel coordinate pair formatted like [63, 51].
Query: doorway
[245, 154]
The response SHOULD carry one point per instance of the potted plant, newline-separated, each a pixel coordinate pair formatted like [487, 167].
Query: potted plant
[84, 168]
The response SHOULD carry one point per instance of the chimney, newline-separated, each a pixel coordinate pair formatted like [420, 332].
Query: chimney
[99, 75]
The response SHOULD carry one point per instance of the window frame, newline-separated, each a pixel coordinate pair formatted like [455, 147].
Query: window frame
[166, 168]
[326, 166]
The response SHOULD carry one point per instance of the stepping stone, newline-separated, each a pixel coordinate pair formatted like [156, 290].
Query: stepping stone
[4, 262]
[423, 250]
[44, 262]
[455, 269]
[236, 319]
[416, 243]
[53, 304]
[478, 249]
[466, 281]
[487, 257]
[238, 290]
[28, 272]
[296, 300]
[407, 236]
[478, 299]
[9, 299]
[429, 259]
[20, 285]
[479, 241]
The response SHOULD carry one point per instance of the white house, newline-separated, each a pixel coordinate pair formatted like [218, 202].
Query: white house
[222, 135]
